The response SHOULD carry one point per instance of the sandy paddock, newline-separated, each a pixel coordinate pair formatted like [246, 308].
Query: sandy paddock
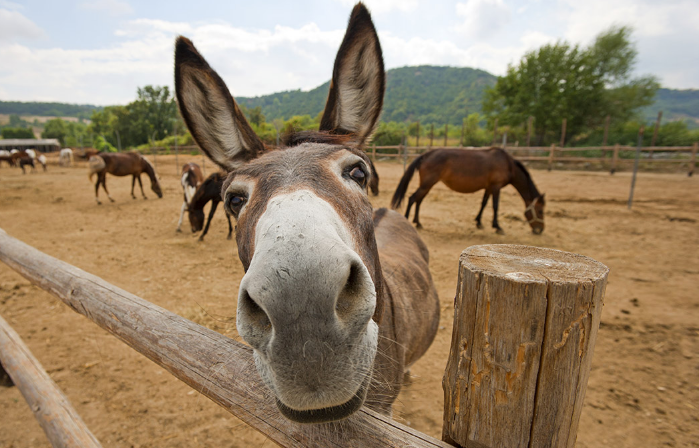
[644, 384]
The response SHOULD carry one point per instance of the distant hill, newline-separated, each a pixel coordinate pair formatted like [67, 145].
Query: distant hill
[676, 105]
[48, 109]
[425, 93]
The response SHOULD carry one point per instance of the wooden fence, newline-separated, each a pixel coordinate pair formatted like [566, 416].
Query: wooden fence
[550, 155]
[525, 323]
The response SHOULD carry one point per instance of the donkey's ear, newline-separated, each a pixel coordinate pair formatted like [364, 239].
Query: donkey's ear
[358, 83]
[212, 116]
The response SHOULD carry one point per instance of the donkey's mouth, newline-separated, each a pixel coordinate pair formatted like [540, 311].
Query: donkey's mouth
[331, 414]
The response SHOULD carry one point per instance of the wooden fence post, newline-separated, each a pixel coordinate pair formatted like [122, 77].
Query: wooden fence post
[563, 132]
[417, 141]
[495, 132]
[525, 326]
[57, 417]
[693, 159]
[655, 134]
[446, 132]
[530, 121]
[615, 159]
[373, 153]
[431, 134]
[552, 153]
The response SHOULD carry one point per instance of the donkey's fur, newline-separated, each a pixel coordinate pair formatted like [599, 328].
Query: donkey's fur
[337, 300]
[123, 164]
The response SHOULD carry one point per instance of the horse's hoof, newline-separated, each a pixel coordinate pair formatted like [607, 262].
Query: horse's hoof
[178, 230]
[479, 225]
[145, 198]
[229, 237]
[111, 200]
[200, 239]
[418, 225]
[500, 232]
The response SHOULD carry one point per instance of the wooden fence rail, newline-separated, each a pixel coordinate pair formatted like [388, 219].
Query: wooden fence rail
[63, 426]
[194, 355]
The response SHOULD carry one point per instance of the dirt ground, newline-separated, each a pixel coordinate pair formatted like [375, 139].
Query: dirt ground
[643, 388]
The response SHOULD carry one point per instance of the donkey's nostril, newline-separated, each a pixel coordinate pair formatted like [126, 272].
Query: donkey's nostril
[352, 293]
[255, 317]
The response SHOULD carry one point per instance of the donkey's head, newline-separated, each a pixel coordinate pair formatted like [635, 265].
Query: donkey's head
[310, 301]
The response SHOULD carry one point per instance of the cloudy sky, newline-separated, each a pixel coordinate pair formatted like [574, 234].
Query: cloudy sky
[100, 51]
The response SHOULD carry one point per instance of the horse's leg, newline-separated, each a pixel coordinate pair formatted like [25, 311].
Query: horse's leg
[133, 184]
[230, 227]
[104, 185]
[97, 189]
[179, 224]
[486, 195]
[417, 198]
[496, 203]
[140, 184]
[214, 204]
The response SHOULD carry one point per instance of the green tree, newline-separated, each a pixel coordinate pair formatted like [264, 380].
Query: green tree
[55, 128]
[17, 133]
[582, 85]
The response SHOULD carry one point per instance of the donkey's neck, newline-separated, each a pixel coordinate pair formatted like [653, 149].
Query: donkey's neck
[524, 185]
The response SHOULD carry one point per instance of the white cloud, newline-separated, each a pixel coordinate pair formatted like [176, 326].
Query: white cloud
[112, 7]
[482, 18]
[384, 6]
[14, 25]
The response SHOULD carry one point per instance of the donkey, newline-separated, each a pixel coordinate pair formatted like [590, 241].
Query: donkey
[209, 190]
[337, 300]
[122, 164]
[191, 178]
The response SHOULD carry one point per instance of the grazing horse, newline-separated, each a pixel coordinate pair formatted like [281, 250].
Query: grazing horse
[65, 157]
[123, 164]
[191, 178]
[209, 190]
[337, 300]
[42, 160]
[6, 156]
[467, 171]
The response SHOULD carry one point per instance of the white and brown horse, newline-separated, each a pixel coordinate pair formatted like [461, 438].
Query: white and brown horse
[122, 164]
[337, 300]
[190, 179]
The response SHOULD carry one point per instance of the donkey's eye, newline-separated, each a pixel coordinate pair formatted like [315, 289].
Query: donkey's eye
[358, 175]
[235, 202]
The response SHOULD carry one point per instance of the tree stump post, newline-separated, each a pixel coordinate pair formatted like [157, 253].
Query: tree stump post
[525, 325]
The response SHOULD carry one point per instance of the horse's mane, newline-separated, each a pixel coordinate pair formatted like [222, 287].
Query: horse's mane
[528, 177]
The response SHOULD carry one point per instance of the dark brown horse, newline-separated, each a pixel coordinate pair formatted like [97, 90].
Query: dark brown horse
[337, 300]
[123, 164]
[209, 190]
[467, 171]
[190, 179]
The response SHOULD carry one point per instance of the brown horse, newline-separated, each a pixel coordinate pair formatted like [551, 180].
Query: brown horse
[22, 159]
[190, 179]
[123, 164]
[337, 300]
[467, 171]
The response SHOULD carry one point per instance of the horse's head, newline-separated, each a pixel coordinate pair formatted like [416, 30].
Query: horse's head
[155, 186]
[196, 219]
[535, 214]
[308, 301]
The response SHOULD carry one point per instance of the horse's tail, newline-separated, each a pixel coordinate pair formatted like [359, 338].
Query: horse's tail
[96, 164]
[405, 181]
